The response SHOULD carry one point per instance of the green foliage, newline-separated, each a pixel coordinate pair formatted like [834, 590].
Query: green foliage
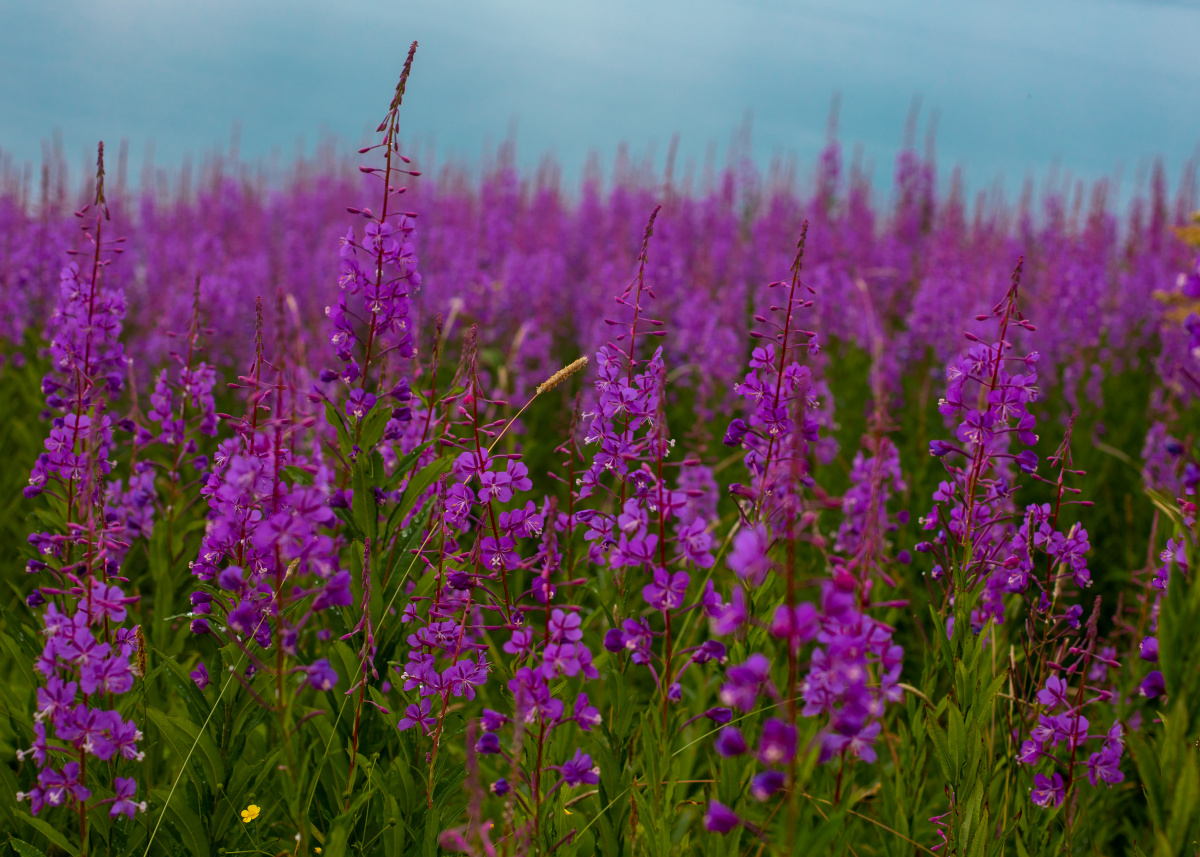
[212, 753]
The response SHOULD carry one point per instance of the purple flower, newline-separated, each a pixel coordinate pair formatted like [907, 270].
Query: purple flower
[108, 675]
[720, 818]
[748, 557]
[518, 475]
[124, 735]
[744, 682]
[695, 542]
[87, 729]
[321, 675]
[1031, 751]
[797, 624]
[586, 714]
[1071, 728]
[358, 403]
[719, 715]
[1149, 649]
[1048, 791]
[1153, 685]
[488, 744]
[765, 784]
[565, 627]
[200, 675]
[230, 578]
[521, 640]
[727, 619]
[417, 715]
[56, 699]
[105, 601]
[614, 640]
[777, 745]
[579, 770]
[667, 591]
[57, 786]
[730, 742]
[499, 553]
[497, 485]
[1106, 765]
[1055, 693]
[126, 788]
[492, 721]
[735, 433]
[463, 677]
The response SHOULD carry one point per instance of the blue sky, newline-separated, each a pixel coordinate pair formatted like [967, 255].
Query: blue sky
[1093, 85]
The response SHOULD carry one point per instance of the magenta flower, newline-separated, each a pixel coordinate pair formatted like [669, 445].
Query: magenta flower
[1055, 693]
[565, 627]
[417, 715]
[1153, 685]
[720, 818]
[765, 784]
[321, 675]
[728, 618]
[1148, 650]
[730, 742]
[359, 403]
[1106, 765]
[126, 788]
[200, 675]
[667, 591]
[748, 556]
[797, 625]
[495, 485]
[777, 745]
[579, 770]
[1048, 791]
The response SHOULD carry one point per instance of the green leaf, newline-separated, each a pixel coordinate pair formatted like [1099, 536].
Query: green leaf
[1150, 776]
[186, 824]
[941, 748]
[24, 849]
[187, 740]
[298, 475]
[334, 418]
[21, 659]
[405, 464]
[429, 845]
[365, 507]
[197, 705]
[374, 426]
[345, 661]
[982, 708]
[50, 832]
[421, 481]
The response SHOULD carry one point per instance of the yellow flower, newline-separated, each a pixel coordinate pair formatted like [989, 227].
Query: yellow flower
[250, 813]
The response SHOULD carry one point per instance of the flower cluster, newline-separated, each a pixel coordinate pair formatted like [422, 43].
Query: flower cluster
[89, 657]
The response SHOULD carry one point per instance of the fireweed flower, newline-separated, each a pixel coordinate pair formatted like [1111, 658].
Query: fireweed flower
[854, 670]
[719, 818]
[1020, 552]
[1048, 791]
[1032, 566]
[86, 651]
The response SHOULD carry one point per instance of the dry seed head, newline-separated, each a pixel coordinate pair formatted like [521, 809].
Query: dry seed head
[561, 375]
[141, 652]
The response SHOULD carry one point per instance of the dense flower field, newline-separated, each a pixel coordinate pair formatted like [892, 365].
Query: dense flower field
[377, 513]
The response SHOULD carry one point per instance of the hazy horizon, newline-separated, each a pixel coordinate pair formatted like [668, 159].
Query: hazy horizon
[1098, 88]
